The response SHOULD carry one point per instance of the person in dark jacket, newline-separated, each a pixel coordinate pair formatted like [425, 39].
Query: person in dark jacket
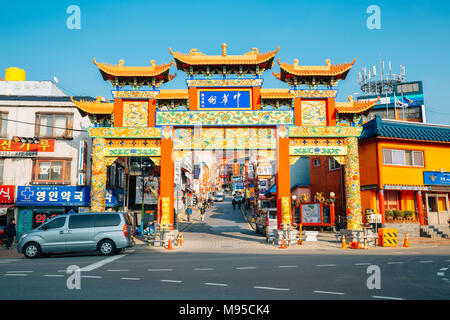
[10, 233]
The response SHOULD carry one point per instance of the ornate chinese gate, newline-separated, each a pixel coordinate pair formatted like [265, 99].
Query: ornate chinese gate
[226, 113]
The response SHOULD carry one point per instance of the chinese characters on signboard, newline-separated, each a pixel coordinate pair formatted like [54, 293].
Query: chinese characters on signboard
[225, 99]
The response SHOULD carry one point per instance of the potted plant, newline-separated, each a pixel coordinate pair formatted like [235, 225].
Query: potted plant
[409, 215]
[398, 215]
[389, 215]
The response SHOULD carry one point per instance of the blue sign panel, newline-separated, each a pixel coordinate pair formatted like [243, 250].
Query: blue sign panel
[225, 99]
[76, 196]
[436, 178]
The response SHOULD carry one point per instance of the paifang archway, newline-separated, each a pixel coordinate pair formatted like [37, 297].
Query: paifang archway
[222, 109]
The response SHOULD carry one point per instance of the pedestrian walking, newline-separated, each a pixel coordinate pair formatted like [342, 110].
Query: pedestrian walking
[202, 213]
[188, 213]
[234, 203]
[10, 232]
[239, 203]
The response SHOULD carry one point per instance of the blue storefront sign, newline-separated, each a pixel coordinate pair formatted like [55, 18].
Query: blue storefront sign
[436, 178]
[74, 196]
[225, 99]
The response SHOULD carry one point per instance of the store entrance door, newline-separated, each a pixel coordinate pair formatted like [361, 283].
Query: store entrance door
[438, 211]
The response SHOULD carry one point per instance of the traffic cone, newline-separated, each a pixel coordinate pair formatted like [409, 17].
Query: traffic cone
[343, 244]
[406, 242]
[283, 244]
[169, 246]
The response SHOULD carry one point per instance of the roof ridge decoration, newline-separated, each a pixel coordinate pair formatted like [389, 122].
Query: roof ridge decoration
[119, 74]
[94, 107]
[329, 74]
[197, 62]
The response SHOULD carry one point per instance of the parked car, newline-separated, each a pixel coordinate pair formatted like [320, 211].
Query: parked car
[105, 232]
[266, 222]
[219, 197]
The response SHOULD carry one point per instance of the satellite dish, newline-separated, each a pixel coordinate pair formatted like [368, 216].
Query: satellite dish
[55, 79]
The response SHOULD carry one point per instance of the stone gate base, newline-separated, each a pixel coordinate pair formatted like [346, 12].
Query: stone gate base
[290, 237]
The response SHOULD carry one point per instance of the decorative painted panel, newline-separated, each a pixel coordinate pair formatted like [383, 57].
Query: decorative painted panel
[352, 185]
[225, 138]
[318, 151]
[315, 93]
[133, 143]
[136, 94]
[119, 132]
[135, 113]
[327, 142]
[324, 131]
[132, 152]
[314, 113]
[224, 118]
[224, 83]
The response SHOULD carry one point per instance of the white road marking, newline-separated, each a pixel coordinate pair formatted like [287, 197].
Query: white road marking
[174, 281]
[245, 268]
[326, 265]
[19, 271]
[8, 260]
[92, 277]
[287, 266]
[101, 263]
[395, 262]
[216, 284]
[16, 274]
[390, 298]
[441, 274]
[203, 269]
[363, 264]
[124, 270]
[54, 275]
[130, 278]
[329, 292]
[271, 288]
[427, 261]
[160, 270]
[443, 269]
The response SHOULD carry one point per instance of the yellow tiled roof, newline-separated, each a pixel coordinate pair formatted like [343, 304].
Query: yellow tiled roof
[252, 57]
[355, 106]
[276, 94]
[173, 94]
[120, 70]
[330, 70]
[94, 107]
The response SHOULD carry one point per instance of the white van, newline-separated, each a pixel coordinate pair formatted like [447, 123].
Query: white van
[266, 222]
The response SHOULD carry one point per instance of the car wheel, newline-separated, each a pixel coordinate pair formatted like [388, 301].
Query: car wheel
[106, 247]
[32, 250]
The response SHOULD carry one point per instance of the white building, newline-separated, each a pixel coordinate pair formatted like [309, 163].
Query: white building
[40, 179]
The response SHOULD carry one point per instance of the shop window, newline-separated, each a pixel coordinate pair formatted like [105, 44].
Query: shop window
[3, 124]
[392, 200]
[51, 171]
[316, 162]
[333, 164]
[54, 125]
[403, 157]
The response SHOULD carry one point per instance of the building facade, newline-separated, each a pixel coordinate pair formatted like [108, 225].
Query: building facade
[51, 175]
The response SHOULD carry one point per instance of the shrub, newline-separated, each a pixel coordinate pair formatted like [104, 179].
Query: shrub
[409, 214]
[388, 213]
[398, 213]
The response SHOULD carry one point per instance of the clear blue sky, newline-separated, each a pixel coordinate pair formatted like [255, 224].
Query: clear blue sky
[34, 37]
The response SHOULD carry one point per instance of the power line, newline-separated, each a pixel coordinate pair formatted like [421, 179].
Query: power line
[43, 125]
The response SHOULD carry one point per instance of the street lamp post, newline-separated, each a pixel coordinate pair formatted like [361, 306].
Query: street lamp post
[332, 209]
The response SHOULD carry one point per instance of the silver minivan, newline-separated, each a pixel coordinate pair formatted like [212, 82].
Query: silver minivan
[105, 232]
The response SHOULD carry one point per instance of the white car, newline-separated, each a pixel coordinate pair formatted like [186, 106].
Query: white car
[266, 222]
[219, 197]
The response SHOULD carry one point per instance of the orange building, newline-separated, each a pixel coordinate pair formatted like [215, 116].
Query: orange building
[405, 172]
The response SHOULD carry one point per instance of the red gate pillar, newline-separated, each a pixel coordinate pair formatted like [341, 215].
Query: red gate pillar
[420, 207]
[381, 203]
[283, 178]
[167, 179]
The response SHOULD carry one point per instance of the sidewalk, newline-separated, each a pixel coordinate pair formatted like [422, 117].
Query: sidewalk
[11, 253]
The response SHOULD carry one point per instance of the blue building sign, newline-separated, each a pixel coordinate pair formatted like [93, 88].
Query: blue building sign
[75, 196]
[436, 178]
[225, 99]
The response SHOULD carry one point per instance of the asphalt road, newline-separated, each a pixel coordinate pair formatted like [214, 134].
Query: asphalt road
[223, 259]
